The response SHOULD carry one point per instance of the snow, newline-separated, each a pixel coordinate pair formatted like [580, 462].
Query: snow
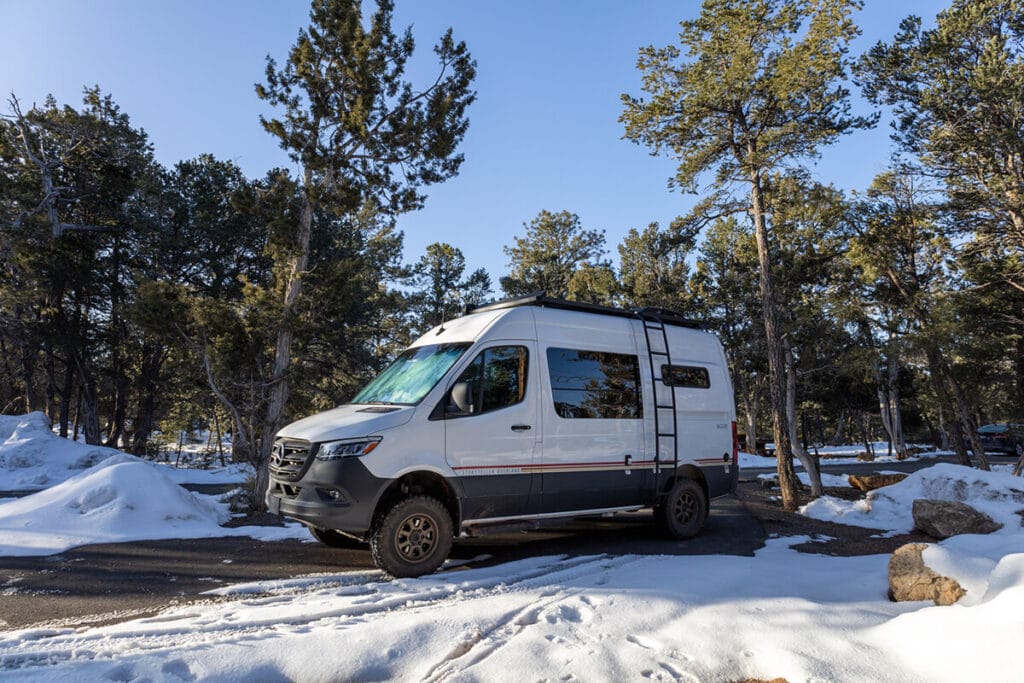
[597, 618]
[33, 458]
[780, 613]
[121, 499]
[998, 494]
[837, 455]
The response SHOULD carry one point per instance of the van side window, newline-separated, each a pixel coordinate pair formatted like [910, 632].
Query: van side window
[686, 376]
[496, 378]
[594, 384]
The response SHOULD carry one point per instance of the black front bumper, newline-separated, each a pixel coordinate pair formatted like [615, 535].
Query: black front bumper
[332, 494]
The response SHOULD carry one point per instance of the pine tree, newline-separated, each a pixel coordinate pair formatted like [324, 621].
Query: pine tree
[758, 89]
[361, 135]
[555, 249]
[440, 288]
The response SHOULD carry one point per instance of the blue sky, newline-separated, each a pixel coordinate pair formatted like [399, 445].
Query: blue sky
[543, 134]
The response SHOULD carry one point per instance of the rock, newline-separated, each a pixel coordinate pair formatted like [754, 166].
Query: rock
[944, 518]
[910, 579]
[870, 482]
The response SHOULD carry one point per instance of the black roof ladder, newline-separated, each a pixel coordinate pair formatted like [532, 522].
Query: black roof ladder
[666, 442]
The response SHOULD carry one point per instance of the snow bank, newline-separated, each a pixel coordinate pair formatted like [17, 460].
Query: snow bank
[122, 498]
[32, 457]
[997, 494]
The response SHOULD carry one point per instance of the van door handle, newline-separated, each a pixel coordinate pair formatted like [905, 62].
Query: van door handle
[520, 428]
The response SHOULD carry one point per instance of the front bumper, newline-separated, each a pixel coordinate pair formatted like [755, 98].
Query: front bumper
[333, 494]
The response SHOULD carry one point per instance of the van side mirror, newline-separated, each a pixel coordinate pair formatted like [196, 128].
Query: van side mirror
[461, 398]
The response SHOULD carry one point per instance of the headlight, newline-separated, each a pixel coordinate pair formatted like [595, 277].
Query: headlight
[333, 450]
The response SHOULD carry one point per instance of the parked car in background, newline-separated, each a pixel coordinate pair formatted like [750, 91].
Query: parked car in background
[1003, 437]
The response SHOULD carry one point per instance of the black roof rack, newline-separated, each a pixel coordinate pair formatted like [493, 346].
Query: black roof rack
[542, 300]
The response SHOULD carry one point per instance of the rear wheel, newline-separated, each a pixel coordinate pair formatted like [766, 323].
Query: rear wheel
[684, 510]
[413, 538]
[335, 539]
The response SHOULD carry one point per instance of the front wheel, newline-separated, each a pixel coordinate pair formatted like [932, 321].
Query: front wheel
[1018, 450]
[413, 538]
[684, 510]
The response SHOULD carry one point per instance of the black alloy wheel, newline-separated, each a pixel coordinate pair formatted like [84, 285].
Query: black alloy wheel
[683, 512]
[413, 538]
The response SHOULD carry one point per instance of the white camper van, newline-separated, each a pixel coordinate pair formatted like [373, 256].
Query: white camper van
[521, 411]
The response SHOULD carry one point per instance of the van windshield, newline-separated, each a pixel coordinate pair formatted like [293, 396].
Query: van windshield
[412, 375]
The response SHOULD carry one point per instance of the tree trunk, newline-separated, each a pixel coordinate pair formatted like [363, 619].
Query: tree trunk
[773, 344]
[809, 463]
[748, 391]
[837, 437]
[278, 398]
[220, 442]
[89, 406]
[149, 378]
[1018, 372]
[865, 436]
[67, 392]
[943, 384]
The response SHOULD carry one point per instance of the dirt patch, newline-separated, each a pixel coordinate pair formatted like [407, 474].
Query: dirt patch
[840, 540]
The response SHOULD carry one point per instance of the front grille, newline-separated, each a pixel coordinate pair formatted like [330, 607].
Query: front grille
[289, 459]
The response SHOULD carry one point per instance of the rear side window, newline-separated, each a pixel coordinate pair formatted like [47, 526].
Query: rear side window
[686, 376]
[496, 378]
[594, 384]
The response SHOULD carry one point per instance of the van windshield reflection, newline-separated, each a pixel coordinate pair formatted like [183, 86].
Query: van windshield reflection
[411, 376]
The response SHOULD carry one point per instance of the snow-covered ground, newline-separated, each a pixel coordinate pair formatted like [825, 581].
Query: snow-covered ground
[839, 455]
[605, 618]
[781, 613]
[100, 495]
[33, 458]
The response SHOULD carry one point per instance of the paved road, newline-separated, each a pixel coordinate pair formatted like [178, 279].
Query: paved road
[109, 583]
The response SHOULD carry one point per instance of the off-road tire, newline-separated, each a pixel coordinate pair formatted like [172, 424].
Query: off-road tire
[683, 511]
[413, 538]
[335, 539]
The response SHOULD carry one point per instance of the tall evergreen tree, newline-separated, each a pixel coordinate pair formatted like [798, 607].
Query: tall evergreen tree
[441, 286]
[71, 178]
[958, 92]
[760, 88]
[556, 249]
[902, 247]
[653, 267]
[361, 134]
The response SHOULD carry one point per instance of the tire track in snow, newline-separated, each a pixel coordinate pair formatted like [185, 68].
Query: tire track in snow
[187, 628]
[481, 645]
